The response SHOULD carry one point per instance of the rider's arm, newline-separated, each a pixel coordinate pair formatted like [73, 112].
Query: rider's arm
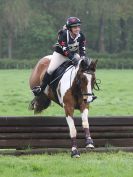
[62, 40]
[82, 49]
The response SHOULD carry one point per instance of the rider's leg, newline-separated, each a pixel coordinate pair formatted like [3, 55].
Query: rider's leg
[56, 60]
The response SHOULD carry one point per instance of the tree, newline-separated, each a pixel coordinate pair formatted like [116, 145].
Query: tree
[16, 18]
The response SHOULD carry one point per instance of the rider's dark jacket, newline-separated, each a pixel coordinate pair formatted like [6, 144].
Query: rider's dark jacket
[68, 46]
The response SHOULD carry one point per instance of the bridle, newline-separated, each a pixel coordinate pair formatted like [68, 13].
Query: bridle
[95, 87]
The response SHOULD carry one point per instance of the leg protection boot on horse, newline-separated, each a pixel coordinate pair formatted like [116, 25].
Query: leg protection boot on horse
[89, 143]
[39, 89]
[75, 153]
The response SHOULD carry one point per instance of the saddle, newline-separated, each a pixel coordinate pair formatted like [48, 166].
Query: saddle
[57, 75]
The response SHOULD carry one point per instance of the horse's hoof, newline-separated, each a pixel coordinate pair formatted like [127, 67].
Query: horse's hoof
[90, 146]
[89, 143]
[75, 154]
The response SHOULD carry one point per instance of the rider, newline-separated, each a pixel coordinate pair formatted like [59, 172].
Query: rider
[70, 45]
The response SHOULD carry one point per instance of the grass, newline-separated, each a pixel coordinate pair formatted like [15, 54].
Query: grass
[115, 97]
[61, 165]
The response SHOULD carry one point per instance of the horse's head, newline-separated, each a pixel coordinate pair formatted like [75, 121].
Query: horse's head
[88, 65]
[86, 79]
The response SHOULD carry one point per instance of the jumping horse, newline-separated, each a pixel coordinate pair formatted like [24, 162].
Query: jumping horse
[73, 90]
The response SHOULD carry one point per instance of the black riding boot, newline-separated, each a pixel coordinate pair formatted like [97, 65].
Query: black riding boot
[45, 81]
[39, 89]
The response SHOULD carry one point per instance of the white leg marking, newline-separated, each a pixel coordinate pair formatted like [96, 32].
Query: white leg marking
[84, 116]
[71, 125]
[73, 148]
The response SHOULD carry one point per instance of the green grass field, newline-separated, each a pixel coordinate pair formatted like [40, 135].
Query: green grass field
[115, 97]
[61, 165]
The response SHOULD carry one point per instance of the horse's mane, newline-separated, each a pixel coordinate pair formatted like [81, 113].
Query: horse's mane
[88, 64]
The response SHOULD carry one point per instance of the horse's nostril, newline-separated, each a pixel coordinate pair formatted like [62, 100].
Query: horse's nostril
[85, 100]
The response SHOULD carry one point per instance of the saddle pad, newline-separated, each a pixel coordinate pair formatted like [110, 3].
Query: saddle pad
[57, 75]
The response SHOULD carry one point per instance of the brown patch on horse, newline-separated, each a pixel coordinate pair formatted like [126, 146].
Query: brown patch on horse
[69, 103]
[38, 104]
[38, 72]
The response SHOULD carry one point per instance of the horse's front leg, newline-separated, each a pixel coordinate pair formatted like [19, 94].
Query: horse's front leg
[69, 110]
[85, 124]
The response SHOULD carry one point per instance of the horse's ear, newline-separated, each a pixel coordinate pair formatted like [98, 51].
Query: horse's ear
[93, 64]
[96, 61]
[82, 65]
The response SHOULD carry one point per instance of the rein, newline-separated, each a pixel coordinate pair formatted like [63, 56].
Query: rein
[60, 75]
[96, 84]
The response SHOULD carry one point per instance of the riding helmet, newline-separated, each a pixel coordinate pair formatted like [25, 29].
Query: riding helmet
[72, 22]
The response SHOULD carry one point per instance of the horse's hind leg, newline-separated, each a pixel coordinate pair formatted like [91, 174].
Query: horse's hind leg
[73, 133]
[85, 124]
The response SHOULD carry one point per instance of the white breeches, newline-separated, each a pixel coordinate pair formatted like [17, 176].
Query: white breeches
[56, 60]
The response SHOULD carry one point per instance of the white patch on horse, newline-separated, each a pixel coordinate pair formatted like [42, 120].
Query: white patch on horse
[89, 89]
[65, 83]
[71, 125]
[84, 116]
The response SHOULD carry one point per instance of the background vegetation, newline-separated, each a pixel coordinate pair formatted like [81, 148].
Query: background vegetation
[28, 29]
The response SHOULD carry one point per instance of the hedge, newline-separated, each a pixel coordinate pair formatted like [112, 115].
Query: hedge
[17, 64]
[107, 63]
[120, 63]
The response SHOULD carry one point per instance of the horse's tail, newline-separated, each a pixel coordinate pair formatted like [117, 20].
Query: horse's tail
[38, 104]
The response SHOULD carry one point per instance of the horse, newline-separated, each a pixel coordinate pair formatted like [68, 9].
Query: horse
[74, 90]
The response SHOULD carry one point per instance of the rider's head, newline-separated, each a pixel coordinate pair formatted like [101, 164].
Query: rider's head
[73, 24]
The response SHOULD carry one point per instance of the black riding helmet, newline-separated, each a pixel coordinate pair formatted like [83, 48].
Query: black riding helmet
[72, 22]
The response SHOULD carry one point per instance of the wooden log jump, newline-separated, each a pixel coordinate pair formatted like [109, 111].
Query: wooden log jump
[52, 132]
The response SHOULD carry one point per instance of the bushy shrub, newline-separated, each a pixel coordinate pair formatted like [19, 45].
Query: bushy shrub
[107, 63]
[17, 64]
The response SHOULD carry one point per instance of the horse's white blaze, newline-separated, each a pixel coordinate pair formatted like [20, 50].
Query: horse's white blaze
[65, 83]
[89, 89]
[84, 116]
[71, 125]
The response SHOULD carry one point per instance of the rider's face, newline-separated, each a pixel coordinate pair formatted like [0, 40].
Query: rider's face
[75, 30]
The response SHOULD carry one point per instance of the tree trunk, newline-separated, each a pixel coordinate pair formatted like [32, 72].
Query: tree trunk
[101, 45]
[0, 43]
[110, 36]
[10, 44]
[123, 35]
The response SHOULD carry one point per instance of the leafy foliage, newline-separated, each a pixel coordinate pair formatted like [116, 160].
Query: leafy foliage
[29, 28]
